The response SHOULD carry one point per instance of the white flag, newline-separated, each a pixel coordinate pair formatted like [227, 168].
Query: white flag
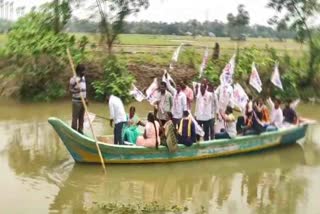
[240, 96]
[275, 78]
[225, 96]
[226, 76]
[176, 53]
[204, 62]
[164, 78]
[152, 91]
[255, 80]
[137, 94]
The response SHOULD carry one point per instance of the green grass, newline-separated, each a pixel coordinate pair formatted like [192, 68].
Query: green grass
[3, 39]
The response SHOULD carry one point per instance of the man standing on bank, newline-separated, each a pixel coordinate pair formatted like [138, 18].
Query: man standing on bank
[78, 85]
[118, 116]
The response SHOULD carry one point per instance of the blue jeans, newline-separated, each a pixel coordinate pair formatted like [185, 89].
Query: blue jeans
[222, 135]
[118, 129]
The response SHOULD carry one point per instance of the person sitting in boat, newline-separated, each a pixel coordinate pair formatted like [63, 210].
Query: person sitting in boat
[230, 130]
[276, 115]
[263, 111]
[164, 103]
[169, 138]
[289, 114]
[186, 130]
[151, 137]
[131, 131]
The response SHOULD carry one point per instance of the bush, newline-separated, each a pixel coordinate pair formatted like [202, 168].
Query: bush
[116, 80]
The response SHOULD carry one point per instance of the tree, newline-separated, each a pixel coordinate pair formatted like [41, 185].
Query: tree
[281, 27]
[297, 13]
[113, 14]
[237, 23]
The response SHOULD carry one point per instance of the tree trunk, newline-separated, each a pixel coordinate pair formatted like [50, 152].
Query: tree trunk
[56, 16]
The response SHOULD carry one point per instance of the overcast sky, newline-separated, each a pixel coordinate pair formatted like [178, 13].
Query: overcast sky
[183, 10]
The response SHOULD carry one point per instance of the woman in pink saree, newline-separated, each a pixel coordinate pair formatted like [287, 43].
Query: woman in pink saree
[151, 136]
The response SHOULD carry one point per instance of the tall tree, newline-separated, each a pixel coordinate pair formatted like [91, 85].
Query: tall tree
[237, 23]
[297, 14]
[113, 14]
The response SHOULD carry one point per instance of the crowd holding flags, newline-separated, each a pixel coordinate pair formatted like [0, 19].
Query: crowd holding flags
[226, 93]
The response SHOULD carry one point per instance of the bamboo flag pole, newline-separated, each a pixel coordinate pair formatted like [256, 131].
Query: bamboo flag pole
[86, 111]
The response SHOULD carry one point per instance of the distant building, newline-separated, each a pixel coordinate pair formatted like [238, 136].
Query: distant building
[211, 34]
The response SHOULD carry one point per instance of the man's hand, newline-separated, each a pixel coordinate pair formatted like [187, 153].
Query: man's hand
[111, 123]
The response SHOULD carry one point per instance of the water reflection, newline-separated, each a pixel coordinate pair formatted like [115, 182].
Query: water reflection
[273, 186]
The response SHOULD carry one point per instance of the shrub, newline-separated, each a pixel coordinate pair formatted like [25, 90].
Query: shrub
[116, 80]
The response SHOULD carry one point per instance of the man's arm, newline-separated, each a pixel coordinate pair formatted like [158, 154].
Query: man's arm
[171, 89]
[73, 86]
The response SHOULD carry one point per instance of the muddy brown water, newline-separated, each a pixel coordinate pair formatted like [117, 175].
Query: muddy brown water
[37, 175]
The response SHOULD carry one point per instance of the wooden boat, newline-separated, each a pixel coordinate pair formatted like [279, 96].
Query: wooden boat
[83, 148]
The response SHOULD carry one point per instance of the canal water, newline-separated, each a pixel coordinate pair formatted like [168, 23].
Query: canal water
[37, 174]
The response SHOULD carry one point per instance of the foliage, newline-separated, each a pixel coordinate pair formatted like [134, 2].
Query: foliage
[189, 56]
[40, 52]
[297, 13]
[116, 80]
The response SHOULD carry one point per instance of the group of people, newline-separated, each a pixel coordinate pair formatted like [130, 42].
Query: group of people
[172, 123]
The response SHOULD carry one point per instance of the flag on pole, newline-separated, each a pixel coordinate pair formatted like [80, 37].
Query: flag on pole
[176, 53]
[164, 78]
[240, 96]
[136, 93]
[225, 96]
[255, 80]
[152, 91]
[204, 62]
[275, 78]
[226, 76]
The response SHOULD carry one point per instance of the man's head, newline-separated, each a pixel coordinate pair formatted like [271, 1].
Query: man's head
[203, 89]
[107, 98]
[288, 103]
[277, 103]
[185, 113]
[80, 70]
[179, 87]
[183, 85]
[163, 87]
[229, 110]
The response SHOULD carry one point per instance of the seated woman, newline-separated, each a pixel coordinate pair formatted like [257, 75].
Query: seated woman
[150, 137]
[187, 130]
[230, 125]
[170, 134]
[131, 131]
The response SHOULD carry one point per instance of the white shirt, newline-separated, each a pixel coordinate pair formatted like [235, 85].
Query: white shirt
[77, 82]
[179, 104]
[276, 115]
[205, 106]
[117, 112]
[231, 127]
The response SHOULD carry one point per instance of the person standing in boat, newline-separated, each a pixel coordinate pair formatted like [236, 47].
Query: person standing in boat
[164, 104]
[189, 94]
[117, 116]
[186, 130]
[77, 87]
[205, 110]
[179, 104]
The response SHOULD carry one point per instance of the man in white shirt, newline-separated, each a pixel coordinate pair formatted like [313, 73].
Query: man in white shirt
[118, 116]
[276, 113]
[179, 104]
[205, 110]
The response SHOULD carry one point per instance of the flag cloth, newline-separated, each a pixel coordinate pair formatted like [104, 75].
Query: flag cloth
[136, 93]
[176, 53]
[240, 97]
[88, 119]
[204, 62]
[152, 91]
[226, 76]
[225, 96]
[255, 80]
[164, 78]
[275, 78]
